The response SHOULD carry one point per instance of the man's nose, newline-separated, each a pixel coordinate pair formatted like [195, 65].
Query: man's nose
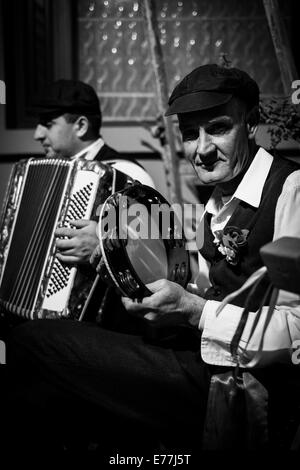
[39, 133]
[205, 143]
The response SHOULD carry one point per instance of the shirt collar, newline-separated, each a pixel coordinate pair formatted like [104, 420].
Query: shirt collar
[91, 151]
[250, 188]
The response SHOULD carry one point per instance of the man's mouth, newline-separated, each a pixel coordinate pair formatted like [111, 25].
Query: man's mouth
[207, 162]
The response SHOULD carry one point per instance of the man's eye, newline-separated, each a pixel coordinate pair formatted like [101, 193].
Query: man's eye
[47, 124]
[190, 135]
[217, 129]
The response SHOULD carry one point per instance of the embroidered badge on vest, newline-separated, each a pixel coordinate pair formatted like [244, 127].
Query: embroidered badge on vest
[231, 242]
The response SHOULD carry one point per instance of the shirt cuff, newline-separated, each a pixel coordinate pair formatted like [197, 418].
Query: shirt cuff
[218, 332]
[202, 318]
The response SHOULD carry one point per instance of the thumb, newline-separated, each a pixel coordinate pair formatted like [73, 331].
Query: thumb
[156, 285]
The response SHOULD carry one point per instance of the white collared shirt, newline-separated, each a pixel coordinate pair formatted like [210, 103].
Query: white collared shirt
[125, 166]
[91, 151]
[284, 326]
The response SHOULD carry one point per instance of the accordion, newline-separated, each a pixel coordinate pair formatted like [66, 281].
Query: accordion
[42, 195]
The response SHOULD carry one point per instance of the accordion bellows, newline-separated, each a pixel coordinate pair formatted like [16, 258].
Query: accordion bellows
[42, 195]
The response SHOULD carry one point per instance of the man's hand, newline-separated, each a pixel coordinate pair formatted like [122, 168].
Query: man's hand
[170, 303]
[82, 241]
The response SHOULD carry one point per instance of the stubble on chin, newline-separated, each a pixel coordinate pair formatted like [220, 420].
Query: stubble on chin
[51, 154]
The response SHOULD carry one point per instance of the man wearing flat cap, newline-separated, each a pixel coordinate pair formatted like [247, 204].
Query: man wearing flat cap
[69, 124]
[162, 388]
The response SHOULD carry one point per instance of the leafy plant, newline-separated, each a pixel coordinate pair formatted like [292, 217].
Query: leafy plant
[283, 119]
[280, 114]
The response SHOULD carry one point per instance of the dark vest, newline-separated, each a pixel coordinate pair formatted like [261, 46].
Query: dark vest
[226, 278]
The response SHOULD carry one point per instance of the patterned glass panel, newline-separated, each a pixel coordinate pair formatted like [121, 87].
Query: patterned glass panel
[114, 54]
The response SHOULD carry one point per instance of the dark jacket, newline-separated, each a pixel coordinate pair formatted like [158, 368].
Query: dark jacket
[105, 306]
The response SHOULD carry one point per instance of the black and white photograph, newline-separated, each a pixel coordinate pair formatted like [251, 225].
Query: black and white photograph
[149, 230]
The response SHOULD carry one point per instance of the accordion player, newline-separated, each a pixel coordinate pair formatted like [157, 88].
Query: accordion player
[43, 194]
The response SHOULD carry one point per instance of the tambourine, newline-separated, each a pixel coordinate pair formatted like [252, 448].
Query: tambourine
[141, 241]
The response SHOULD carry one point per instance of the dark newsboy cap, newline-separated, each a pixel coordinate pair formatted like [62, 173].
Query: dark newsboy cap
[67, 96]
[211, 85]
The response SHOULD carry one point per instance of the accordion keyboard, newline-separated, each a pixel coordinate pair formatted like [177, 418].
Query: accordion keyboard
[51, 193]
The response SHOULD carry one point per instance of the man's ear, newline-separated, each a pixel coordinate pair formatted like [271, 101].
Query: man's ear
[81, 126]
[251, 129]
[252, 122]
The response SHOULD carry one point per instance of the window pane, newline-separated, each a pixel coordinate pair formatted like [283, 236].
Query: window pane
[114, 54]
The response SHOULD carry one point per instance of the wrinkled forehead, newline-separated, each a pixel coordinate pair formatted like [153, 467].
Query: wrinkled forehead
[233, 110]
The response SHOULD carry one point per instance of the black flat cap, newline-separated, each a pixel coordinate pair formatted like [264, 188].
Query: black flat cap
[67, 96]
[211, 85]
